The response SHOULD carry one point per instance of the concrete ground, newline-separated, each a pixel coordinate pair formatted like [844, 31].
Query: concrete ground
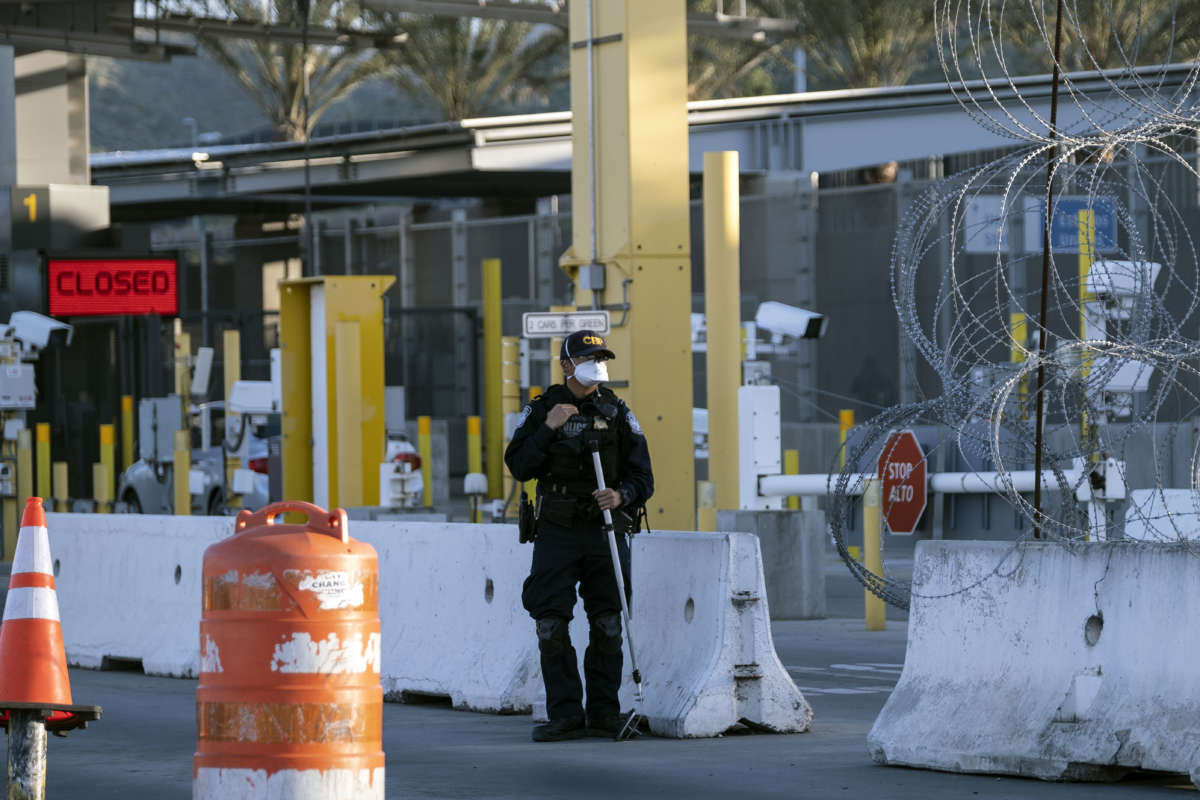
[142, 748]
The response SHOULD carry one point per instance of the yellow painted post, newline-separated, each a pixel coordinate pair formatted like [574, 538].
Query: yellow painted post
[108, 459]
[183, 373]
[296, 368]
[706, 506]
[510, 381]
[493, 391]
[1087, 254]
[425, 450]
[231, 350]
[24, 465]
[876, 617]
[534, 391]
[722, 319]
[474, 457]
[44, 488]
[126, 431]
[845, 423]
[791, 466]
[637, 111]
[182, 470]
[1018, 333]
[102, 488]
[62, 491]
[349, 416]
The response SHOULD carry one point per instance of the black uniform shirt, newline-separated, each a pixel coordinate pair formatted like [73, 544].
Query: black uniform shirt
[528, 454]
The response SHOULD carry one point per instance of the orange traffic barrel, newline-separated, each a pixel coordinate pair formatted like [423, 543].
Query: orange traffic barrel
[289, 702]
[33, 662]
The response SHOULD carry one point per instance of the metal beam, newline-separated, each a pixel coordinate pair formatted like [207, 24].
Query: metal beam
[91, 44]
[261, 31]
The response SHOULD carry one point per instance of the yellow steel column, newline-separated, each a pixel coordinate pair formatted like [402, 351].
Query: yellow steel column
[876, 609]
[722, 319]
[182, 470]
[791, 466]
[126, 431]
[44, 488]
[845, 423]
[24, 465]
[108, 459]
[510, 402]
[638, 114]
[295, 366]
[62, 491]
[349, 416]
[425, 451]
[493, 402]
[1087, 254]
[231, 350]
[474, 458]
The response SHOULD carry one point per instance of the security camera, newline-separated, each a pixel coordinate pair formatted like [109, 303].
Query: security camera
[785, 320]
[1108, 278]
[36, 332]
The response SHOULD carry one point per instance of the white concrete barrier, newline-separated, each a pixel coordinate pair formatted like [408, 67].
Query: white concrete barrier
[1048, 660]
[452, 621]
[451, 615]
[129, 587]
[703, 633]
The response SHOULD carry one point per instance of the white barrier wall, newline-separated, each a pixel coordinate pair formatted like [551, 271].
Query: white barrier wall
[1048, 660]
[703, 633]
[451, 614]
[129, 587]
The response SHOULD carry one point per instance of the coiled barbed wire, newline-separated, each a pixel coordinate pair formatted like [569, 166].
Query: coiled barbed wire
[1122, 368]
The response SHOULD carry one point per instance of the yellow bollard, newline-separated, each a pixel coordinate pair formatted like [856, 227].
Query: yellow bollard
[43, 460]
[845, 423]
[126, 431]
[24, 465]
[62, 492]
[876, 616]
[182, 472]
[107, 458]
[791, 466]
[474, 457]
[493, 393]
[706, 506]
[102, 488]
[231, 350]
[425, 450]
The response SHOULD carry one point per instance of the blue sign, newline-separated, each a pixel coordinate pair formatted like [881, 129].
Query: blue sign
[1064, 229]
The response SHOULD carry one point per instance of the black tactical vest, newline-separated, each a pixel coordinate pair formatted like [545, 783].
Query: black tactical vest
[570, 467]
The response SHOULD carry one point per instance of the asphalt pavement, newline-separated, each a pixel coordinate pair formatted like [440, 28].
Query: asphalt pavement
[142, 747]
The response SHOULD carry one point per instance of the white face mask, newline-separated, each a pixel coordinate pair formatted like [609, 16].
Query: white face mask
[589, 373]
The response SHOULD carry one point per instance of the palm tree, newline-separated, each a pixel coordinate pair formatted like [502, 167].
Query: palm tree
[865, 43]
[468, 67]
[273, 72]
[1101, 34]
[723, 67]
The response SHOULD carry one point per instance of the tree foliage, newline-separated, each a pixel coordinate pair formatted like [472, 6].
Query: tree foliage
[273, 72]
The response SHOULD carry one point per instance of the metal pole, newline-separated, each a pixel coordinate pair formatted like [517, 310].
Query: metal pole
[204, 322]
[722, 316]
[1041, 370]
[493, 413]
[26, 755]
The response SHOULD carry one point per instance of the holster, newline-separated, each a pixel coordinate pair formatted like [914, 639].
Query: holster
[526, 519]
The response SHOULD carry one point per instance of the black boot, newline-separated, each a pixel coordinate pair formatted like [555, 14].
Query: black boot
[558, 730]
[605, 725]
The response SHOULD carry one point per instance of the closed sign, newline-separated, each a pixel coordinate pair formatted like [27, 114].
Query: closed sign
[106, 287]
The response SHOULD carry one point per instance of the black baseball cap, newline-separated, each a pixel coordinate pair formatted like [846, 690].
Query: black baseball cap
[584, 343]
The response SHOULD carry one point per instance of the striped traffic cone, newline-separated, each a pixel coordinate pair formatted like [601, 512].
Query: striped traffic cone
[33, 662]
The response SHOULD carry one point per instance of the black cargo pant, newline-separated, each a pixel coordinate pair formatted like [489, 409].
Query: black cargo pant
[563, 557]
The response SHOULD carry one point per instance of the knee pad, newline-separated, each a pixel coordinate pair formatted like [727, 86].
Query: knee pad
[553, 635]
[605, 633]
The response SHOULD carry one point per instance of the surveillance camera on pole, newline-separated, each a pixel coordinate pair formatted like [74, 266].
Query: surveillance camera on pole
[782, 320]
[35, 332]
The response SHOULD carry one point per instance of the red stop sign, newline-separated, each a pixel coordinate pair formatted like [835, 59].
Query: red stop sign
[902, 470]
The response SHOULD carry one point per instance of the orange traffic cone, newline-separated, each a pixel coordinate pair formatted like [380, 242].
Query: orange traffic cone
[33, 663]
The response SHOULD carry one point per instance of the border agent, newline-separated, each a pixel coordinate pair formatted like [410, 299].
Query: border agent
[553, 445]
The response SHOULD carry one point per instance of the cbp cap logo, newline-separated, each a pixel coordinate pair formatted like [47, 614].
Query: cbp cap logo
[593, 340]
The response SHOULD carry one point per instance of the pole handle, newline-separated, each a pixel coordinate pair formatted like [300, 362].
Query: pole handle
[332, 523]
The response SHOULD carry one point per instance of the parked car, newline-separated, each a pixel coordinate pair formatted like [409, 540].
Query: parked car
[149, 488]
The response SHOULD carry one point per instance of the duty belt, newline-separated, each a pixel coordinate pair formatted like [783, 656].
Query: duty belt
[564, 491]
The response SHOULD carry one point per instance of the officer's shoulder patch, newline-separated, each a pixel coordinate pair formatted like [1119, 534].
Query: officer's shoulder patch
[525, 412]
[633, 423]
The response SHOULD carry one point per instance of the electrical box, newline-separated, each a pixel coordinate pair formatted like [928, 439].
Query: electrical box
[158, 419]
[17, 387]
